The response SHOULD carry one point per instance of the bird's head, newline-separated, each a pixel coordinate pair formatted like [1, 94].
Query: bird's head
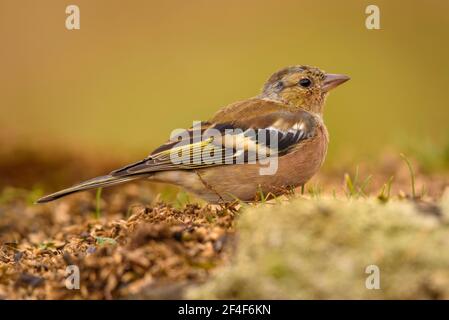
[302, 86]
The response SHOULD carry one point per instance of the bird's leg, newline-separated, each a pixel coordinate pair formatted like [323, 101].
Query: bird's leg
[208, 186]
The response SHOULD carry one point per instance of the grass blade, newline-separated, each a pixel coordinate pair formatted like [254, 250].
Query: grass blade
[98, 200]
[412, 174]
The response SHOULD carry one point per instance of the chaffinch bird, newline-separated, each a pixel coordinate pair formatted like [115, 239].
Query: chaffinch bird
[223, 159]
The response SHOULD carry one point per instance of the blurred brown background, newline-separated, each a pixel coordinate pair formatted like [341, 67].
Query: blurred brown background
[138, 69]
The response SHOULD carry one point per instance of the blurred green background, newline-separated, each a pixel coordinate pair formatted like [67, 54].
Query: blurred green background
[138, 69]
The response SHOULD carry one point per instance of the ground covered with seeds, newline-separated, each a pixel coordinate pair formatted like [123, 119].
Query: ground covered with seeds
[151, 252]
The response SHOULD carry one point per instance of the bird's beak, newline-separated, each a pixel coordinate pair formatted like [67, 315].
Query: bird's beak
[333, 80]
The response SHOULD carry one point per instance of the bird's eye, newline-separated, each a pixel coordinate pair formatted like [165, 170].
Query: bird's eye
[280, 85]
[305, 82]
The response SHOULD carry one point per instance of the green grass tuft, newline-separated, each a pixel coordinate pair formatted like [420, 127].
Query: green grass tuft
[353, 188]
[384, 195]
[182, 199]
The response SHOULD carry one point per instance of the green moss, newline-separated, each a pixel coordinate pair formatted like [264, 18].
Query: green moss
[308, 249]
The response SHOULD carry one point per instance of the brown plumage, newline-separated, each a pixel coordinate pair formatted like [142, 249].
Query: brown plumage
[269, 143]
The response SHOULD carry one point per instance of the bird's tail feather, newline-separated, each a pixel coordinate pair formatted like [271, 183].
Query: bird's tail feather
[102, 181]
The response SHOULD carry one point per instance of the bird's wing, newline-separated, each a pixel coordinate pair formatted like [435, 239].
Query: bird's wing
[235, 137]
